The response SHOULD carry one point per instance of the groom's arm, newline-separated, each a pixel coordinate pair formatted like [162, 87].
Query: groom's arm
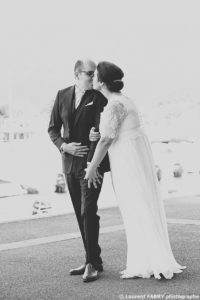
[54, 130]
[100, 103]
[55, 124]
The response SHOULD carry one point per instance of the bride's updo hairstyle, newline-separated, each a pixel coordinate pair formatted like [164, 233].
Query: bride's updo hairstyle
[111, 75]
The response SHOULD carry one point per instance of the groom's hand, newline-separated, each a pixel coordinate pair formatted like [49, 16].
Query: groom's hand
[74, 149]
[94, 135]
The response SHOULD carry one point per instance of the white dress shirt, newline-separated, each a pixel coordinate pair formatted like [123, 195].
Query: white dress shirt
[78, 95]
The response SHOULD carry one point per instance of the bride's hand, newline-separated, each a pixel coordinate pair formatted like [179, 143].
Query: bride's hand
[93, 176]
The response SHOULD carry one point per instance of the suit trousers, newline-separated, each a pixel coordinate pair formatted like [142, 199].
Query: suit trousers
[84, 201]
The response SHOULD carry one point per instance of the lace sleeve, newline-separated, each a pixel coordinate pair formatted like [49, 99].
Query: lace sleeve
[112, 118]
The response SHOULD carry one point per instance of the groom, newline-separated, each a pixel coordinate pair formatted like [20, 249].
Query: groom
[77, 109]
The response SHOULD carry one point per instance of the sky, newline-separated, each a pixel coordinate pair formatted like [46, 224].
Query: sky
[155, 42]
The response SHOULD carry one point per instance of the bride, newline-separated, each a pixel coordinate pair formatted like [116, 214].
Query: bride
[134, 180]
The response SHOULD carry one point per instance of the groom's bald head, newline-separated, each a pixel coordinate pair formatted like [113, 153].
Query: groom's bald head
[82, 64]
[84, 72]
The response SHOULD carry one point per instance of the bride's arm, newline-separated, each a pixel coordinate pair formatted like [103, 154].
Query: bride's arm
[101, 149]
[111, 121]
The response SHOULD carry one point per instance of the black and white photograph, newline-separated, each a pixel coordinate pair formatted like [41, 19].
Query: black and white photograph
[99, 150]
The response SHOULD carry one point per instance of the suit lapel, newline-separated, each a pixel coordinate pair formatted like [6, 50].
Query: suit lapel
[71, 105]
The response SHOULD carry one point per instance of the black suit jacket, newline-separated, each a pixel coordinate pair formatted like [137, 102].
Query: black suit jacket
[76, 125]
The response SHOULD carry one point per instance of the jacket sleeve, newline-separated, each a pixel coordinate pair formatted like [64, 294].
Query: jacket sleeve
[100, 102]
[55, 124]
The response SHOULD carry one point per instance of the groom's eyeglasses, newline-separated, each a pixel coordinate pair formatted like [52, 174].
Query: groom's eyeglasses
[88, 73]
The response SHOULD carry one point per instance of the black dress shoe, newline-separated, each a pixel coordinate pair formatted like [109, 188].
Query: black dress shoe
[78, 271]
[90, 273]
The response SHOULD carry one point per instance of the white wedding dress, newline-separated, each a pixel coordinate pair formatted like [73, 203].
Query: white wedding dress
[137, 192]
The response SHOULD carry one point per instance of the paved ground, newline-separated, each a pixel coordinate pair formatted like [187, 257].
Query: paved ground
[36, 255]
